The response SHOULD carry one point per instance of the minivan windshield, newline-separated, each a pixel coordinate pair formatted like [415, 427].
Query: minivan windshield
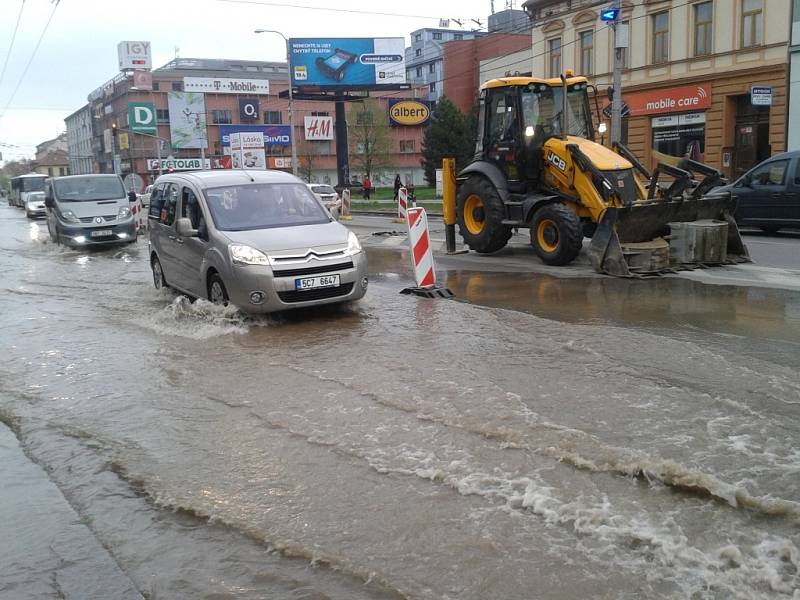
[263, 205]
[89, 188]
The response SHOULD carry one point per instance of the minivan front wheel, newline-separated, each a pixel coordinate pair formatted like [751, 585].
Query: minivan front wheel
[217, 293]
[158, 274]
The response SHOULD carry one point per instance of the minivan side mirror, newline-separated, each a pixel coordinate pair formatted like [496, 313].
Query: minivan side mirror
[184, 228]
[49, 201]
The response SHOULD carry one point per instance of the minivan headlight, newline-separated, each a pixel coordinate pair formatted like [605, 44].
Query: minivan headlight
[124, 212]
[353, 245]
[245, 255]
[68, 215]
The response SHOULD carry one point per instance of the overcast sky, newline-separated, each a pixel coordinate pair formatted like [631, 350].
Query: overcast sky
[78, 52]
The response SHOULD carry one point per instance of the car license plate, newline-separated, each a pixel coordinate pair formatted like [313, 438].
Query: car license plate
[310, 283]
[101, 232]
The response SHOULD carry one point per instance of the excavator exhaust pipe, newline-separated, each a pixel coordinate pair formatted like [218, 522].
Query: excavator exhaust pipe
[654, 237]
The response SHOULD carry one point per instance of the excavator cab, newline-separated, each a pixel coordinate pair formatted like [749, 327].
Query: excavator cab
[537, 165]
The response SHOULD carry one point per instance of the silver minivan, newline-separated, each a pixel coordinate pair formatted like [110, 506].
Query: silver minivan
[258, 239]
[88, 210]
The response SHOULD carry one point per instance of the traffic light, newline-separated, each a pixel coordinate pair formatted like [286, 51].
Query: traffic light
[114, 128]
[610, 93]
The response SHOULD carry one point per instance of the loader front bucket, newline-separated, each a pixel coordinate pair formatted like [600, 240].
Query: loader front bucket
[632, 241]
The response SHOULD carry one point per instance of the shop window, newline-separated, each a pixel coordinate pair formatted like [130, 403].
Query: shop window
[772, 173]
[162, 115]
[273, 117]
[407, 146]
[703, 28]
[554, 54]
[223, 117]
[661, 37]
[587, 52]
[680, 135]
[752, 14]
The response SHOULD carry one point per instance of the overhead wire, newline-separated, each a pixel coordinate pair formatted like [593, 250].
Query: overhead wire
[11, 44]
[33, 55]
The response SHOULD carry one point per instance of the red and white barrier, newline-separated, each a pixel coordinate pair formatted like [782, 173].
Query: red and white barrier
[421, 251]
[139, 216]
[344, 212]
[402, 203]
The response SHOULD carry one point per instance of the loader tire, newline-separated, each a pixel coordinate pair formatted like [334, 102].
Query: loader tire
[480, 213]
[556, 234]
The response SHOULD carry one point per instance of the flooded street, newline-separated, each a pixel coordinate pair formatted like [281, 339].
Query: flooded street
[539, 437]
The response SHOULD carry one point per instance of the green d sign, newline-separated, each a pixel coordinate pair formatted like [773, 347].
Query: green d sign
[142, 117]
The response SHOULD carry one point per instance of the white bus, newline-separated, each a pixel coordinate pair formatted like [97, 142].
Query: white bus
[22, 185]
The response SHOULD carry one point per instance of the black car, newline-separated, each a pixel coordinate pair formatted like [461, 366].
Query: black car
[768, 196]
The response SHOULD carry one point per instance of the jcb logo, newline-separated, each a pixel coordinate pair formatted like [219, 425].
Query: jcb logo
[559, 162]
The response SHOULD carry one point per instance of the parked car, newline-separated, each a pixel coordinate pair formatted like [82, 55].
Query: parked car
[768, 196]
[88, 210]
[34, 205]
[260, 240]
[328, 196]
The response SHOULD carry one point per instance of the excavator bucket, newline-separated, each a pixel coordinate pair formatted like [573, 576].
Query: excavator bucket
[657, 235]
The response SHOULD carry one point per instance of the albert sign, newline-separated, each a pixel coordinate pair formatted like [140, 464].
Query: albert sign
[142, 117]
[408, 112]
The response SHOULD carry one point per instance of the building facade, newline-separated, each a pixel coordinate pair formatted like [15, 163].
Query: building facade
[462, 60]
[51, 157]
[793, 139]
[79, 141]
[707, 78]
[232, 96]
[425, 56]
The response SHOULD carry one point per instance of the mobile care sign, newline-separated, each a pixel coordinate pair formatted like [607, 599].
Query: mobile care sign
[347, 63]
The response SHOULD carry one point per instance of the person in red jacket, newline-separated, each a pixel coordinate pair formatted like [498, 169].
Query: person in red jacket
[367, 185]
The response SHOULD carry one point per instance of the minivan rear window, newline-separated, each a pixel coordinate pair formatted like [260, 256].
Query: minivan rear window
[263, 205]
[89, 189]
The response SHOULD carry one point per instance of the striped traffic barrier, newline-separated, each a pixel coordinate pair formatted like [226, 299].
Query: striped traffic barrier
[402, 205]
[139, 218]
[344, 213]
[419, 241]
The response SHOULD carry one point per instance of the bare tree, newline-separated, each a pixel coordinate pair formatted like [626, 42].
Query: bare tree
[307, 154]
[369, 136]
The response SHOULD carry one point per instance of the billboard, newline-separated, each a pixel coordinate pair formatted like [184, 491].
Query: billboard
[226, 85]
[347, 63]
[318, 128]
[142, 117]
[247, 150]
[274, 135]
[409, 113]
[134, 55]
[187, 120]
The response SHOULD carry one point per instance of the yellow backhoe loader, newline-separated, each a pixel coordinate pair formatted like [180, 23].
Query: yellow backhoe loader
[537, 165]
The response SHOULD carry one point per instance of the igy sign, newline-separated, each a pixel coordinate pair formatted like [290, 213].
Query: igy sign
[142, 117]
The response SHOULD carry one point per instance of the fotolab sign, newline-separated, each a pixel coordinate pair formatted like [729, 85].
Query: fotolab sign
[178, 164]
[408, 112]
[678, 99]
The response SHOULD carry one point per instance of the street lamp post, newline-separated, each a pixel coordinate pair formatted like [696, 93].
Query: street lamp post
[291, 112]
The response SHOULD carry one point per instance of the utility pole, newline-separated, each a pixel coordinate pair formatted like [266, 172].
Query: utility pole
[620, 35]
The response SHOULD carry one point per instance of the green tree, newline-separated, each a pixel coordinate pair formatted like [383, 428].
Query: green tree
[451, 134]
[369, 136]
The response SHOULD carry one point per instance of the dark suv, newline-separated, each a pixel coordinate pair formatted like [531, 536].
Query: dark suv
[768, 196]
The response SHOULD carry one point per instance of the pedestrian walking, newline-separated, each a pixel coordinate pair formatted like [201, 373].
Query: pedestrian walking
[397, 185]
[367, 185]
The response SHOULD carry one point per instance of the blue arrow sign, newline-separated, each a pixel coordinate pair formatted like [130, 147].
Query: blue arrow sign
[609, 14]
